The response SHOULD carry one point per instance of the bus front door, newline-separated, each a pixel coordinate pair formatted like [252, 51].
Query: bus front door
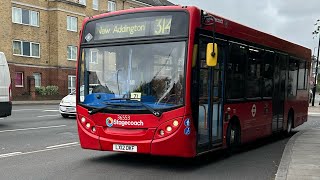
[208, 108]
[279, 79]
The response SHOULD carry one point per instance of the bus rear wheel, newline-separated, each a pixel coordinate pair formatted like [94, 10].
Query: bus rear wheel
[289, 124]
[233, 137]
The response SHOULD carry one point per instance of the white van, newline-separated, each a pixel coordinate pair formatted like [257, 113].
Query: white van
[5, 87]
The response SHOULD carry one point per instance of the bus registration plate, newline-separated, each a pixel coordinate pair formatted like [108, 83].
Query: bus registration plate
[125, 148]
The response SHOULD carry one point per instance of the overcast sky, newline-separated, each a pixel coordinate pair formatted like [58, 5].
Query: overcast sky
[292, 20]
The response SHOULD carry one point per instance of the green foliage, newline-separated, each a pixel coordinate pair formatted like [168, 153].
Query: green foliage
[49, 90]
[41, 90]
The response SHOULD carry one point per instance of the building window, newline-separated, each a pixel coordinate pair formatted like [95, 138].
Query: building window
[25, 48]
[112, 6]
[94, 57]
[71, 83]
[83, 2]
[72, 23]
[37, 79]
[19, 79]
[72, 53]
[26, 17]
[95, 4]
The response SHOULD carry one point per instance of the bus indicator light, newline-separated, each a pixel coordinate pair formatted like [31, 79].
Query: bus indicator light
[161, 132]
[94, 129]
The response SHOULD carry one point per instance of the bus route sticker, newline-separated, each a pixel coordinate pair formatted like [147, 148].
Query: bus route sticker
[187, 122]
[253, 110]
[187, 131]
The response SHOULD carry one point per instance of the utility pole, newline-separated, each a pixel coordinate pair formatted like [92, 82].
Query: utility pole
[314, 90]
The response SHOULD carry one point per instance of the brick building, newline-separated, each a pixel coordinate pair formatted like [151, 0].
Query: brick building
[40, 37]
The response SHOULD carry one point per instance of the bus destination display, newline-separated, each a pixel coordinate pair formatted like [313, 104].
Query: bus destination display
[137, 27]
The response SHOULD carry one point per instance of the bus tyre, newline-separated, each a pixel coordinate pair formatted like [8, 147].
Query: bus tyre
[289, 124]
[64, 115]
[233, 137]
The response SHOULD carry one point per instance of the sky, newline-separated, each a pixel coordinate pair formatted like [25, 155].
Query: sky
[292, 20]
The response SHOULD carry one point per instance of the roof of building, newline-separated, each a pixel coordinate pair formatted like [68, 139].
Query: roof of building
[157, 2]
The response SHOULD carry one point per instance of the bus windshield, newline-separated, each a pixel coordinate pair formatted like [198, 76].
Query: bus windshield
[150, 73]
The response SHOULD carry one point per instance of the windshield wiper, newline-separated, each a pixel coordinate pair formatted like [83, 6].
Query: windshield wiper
[153, 111]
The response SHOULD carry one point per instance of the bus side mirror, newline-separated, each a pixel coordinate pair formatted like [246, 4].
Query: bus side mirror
[212, 54]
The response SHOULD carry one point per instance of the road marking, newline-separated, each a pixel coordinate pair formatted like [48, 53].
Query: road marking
[48, 115]
[9, 154]
[51, 110]
[32, 152]
[17, 110]
[60, 145]
[313, 113]
[27, 110]
[1, 118]
[47, 127]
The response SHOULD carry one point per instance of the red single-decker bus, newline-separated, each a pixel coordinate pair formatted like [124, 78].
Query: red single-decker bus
[179, 81]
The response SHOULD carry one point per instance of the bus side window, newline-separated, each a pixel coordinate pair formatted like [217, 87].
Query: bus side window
[254, 69]
[293, 77]
[268, 69]
[235, 75]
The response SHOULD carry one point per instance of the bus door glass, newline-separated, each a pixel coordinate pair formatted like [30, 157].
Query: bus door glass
[279, 92]
[210, 95]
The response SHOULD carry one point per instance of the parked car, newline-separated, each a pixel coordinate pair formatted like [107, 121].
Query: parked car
[67, 105]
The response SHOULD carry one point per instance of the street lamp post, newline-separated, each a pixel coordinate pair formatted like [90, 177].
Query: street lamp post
[314, 90]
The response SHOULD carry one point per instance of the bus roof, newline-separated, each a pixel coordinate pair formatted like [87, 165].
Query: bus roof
[229, 28]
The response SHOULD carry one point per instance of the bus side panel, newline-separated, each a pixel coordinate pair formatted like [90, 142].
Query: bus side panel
[255, 119]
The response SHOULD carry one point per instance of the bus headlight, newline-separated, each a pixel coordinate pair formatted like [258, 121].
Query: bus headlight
[168, 128]
[88, 125]
[175, 123]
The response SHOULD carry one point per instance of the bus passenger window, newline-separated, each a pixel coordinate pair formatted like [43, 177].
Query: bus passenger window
[292, 79]
[236, 72]
[302, 66]
[268, 69]
[254, 73]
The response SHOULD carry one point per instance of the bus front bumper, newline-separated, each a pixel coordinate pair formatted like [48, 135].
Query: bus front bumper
[177, 144]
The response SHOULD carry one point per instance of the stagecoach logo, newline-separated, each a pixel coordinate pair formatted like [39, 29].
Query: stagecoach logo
[253, 110]
[109, 122]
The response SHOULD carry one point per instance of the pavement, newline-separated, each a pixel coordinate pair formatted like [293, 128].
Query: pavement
[301, 156]
[44, 102]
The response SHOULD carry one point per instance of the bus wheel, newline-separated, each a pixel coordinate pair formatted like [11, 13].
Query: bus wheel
[289, 124]
[233, 137]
